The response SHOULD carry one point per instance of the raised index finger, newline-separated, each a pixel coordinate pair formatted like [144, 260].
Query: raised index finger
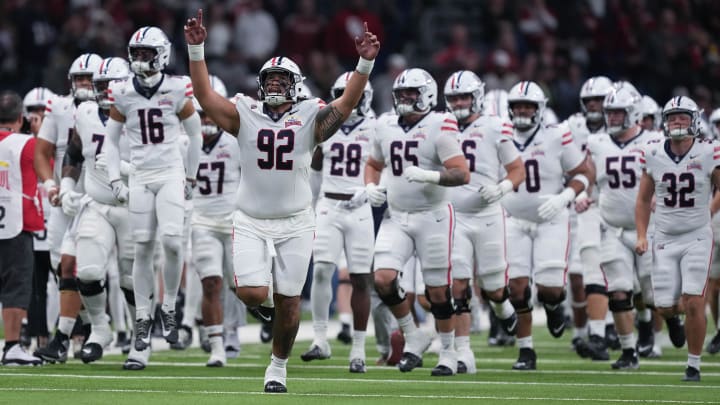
[366, 27]
[199, 17]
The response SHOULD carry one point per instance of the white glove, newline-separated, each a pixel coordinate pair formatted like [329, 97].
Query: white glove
[494, 192]
[418, 175]
[120, 190]
[555, 204]
[359, 198]
[375, 194]
[189, 186]
[70, 202]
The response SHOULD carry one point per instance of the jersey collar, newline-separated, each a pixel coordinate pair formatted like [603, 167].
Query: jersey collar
[346, 129]
[147, 92]
[622, 145]
[676, 158]
[406, 127]
[521, 146]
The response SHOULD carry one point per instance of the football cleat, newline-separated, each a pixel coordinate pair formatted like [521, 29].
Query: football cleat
[676, 330]
[275, 387]
[18, 356]
[510, 324]
[345, 334]
[627, 361]
[526, 360]
[266, 332]
[91, 352]
[466, 362]
[357, 366]
[185, 336]
[646, 339]
[142, 333]
[56, 350]
[447, 364]
[595, 348]
[316, 353]
[691, 374]
[169, 326]
[409, 361]
[556, 320]
[714, 345]
[611, 337]
[133, 365]
[441, 371]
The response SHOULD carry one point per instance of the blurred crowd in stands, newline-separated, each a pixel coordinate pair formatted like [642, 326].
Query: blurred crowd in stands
[664, 47]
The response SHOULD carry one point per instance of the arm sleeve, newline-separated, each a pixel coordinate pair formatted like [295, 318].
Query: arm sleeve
[48, 130]
[112, 146]
[570, 155]
[447, 147]
[507, 152]
[192, 128]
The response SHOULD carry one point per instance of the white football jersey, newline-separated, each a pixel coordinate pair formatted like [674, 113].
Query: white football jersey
[580, 131]
[618, 172]
[218, 178]
[683, 184]
[57, 128]
[345, 155]
[488, 146]
[276, 156]
[152, 125]
[427, 144]
[548, 155]
[92, 131]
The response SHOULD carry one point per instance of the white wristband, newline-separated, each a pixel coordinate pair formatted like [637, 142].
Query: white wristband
[364, 66]
[505, 186]
[196, 52]
[48, 184]
[67, 184]
[582, 179]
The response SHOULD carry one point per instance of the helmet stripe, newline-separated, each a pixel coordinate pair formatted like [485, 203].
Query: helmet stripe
[137, 36]
[107, 67]
[272, 62]
[87, 61]
[102, 65]
[527, 87]
[279, 62]
[145, 32]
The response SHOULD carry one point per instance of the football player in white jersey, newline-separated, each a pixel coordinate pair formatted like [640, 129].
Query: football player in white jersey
[273, 224]
[681, 172]
[345, 224]
[153, 106]
[713, 290]
[616, 159]
[585, 228]
[54, 135]
[420, 149]
[479, 244]
[651, 114]
[103, 235]
[214, 202]
[538, 226]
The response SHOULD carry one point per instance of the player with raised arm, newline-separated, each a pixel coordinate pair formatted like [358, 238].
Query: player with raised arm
[420, 149]
[681, 172]
[152, 106]
[274, 223]
[344, 224]
[479, 248]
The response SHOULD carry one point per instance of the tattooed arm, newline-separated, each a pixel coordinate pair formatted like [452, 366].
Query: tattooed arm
[73, 160]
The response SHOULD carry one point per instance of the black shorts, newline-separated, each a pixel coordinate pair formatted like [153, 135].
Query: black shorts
[16, 270]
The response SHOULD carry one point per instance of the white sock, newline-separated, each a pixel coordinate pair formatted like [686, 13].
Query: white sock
[462, 343]
[216, 345]
[627, 341]
[447, 339]
[597, 327]
[407, 324]
[694, 361]
[278, 362]
[580, 332]
[143, 279]
[95, 308]
[644, 315]
[172, 272]
[358, 345]
[66, 325]
[525, 342]
[345, 318]
[320, 297]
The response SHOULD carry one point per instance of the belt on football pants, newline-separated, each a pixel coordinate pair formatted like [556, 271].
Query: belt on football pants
[339, 196]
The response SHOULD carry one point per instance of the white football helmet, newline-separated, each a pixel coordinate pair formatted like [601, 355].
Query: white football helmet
[363, 107]
[302, 92]
[36, 98]
[284, 65]
[420, 80]
[495, 102]
[465, 82]
[713, 121]
[84, 65]
[650, 108]
[624, 98]
[110, 69]
[686, 105]
[527, 92]
[597, 86]
[149, 38]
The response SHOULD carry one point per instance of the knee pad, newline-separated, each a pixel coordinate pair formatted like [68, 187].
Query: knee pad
[549, 299]
[68, 284]
[129, 296]
[523, 305]
[621, 301]
[90, 288]
[396, 295]
[442, 310]
[595, 289]
[462, 305]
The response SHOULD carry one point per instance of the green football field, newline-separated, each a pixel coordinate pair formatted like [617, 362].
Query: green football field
[181, 378]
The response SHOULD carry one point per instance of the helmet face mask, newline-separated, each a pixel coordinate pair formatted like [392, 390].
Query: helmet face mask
[596, 87]
[467, 85]
[363, 107]
[80, 75]
[148, 51]
[36, 100]
[522, 97]
[681, 118]
[111, 69]
[277, 80]
[523, 114]
[624, 98]
[593, 108]
[414, 92]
